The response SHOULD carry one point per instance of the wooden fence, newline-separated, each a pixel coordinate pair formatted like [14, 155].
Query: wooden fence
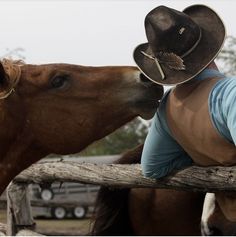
[19, 216]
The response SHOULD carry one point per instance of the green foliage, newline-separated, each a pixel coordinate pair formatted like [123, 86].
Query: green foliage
[127, 137]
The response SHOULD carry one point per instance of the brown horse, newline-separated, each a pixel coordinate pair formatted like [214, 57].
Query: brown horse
[146, 211]
[62, 108]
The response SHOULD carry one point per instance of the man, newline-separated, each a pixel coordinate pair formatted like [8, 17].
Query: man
[196, 121]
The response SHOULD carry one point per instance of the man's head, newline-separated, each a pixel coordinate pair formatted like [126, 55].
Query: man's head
[180, 44]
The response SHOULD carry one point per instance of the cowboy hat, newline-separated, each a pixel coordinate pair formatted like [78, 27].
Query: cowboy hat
[180, 44]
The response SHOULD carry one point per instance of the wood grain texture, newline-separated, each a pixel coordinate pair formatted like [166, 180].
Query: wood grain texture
[19, 213]
[194, 178]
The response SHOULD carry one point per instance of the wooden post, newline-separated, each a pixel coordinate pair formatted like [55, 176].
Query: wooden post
[3, 228]
[19, 214]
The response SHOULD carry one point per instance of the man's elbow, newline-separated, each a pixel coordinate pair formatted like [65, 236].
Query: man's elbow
[150, 172]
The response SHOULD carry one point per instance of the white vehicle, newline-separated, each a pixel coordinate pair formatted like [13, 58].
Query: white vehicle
[61, 200]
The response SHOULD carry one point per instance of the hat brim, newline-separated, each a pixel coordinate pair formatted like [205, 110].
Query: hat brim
[212, 39]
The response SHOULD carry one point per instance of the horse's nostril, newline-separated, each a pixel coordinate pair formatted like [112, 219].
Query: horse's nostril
[144, 78]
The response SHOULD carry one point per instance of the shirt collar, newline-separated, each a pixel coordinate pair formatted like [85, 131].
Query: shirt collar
[209, 73]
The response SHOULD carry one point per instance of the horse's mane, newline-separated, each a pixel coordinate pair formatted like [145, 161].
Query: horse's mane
[111, 209]
[13, 70]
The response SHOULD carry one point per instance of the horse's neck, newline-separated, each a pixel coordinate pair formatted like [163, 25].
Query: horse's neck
[17, 143]
[21, 151]
[11, 122]
[24, 158]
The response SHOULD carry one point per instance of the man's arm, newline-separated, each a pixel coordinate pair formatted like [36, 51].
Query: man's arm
[161, 153]
[231, 115]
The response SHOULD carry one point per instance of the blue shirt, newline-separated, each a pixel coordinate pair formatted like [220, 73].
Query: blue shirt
[162, 154]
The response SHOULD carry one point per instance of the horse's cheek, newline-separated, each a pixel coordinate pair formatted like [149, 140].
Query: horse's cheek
[58, 133]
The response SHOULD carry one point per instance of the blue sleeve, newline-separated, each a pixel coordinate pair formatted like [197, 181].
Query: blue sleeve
[231, 113]
[161, 153]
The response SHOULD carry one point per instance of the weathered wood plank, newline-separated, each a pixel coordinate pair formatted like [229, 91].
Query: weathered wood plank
[18, 209]
[194, 178]
[3, 229]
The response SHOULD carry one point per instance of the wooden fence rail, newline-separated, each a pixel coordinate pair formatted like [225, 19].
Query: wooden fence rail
[194, 178]
[210, 179]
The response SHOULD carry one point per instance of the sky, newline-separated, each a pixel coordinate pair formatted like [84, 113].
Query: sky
[86, 32]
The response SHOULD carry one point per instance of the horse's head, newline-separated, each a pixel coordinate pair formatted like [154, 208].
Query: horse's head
[62, 108]
[214, 221]
[68, 107]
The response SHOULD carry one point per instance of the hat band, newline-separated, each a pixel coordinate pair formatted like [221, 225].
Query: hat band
[194, 46]
[172, 60]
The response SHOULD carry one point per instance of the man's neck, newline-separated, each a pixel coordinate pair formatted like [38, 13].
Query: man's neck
[212, 65]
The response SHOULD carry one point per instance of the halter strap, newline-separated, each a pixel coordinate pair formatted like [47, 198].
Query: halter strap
[194, 46]
[13, 70]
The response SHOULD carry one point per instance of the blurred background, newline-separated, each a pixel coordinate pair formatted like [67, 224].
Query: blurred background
[94, 32]
[91, 33]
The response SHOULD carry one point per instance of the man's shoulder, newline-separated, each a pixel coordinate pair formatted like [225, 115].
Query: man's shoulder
[225, 91]
[229, 82]
[231, 79]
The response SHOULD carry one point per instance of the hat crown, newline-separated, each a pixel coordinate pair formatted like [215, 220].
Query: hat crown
[180, 44]
[169, 30]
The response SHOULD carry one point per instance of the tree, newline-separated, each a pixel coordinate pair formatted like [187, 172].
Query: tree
[127, 137]
[17, 53]
[227, 57]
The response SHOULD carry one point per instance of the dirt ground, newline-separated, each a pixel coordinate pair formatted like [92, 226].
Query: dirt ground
[63, 227]
[57, 227]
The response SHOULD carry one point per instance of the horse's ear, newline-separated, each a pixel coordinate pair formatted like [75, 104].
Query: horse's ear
[10, 73]
[5, 83]
[3, 76]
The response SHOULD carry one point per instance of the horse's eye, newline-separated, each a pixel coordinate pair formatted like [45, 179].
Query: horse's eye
[59, 81]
